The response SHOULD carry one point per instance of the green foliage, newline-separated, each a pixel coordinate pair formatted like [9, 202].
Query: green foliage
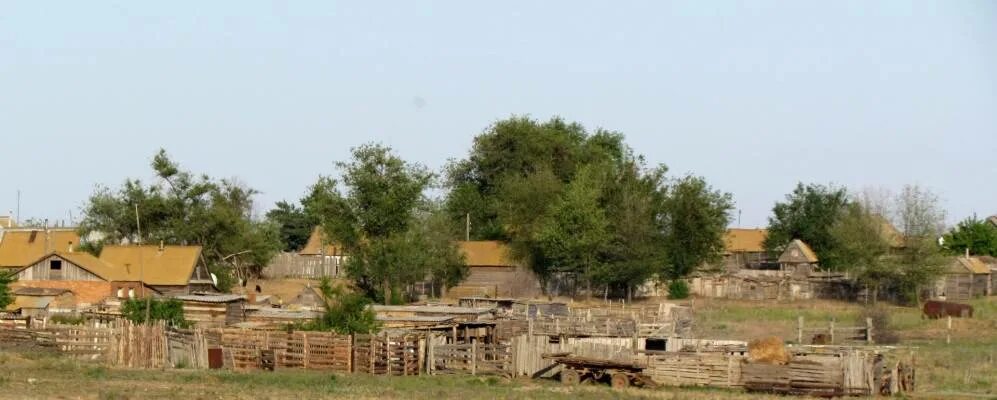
[572, 202]
[678, 289]
[808, 214]
[383, 221]
[345, 312]
[921, 223]
[185, 209]
[226, 280]
[861, 247]
[695, 217]
[979, 236]
[169, 310]
[575, 230]
[295, 225]
[6, 296]
[67, 319]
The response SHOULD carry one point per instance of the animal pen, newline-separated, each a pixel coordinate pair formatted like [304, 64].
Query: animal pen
[639, 345]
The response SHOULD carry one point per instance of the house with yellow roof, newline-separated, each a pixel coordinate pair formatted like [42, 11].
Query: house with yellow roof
[19, 247]
[965, 278]
[120, 272]
[744, 248]
[493, 272]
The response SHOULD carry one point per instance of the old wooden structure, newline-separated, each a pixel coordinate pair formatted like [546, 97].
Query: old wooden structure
[493, 272]
[966, 278]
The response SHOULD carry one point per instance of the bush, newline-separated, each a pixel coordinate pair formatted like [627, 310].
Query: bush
[883, 331]
[345, 313]
[66, 319]
[169, 310]
[678, 289]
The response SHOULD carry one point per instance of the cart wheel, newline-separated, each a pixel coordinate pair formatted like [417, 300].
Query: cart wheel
[619, 380]
[570, 377]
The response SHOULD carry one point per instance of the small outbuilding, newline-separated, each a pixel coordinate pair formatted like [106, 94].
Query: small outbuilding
[966, 278]
[799, 260]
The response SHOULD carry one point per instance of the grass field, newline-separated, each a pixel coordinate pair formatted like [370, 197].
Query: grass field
[963, 369]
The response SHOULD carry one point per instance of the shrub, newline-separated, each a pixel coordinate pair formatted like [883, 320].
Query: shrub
[345, 312]
[169, 310]
[883, 331]
[678, 289]
[66, 319]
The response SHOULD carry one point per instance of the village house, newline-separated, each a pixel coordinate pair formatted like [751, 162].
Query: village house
[745, 248]
[85, 276]
[19, 247]
[965, 278]
[166, 270]
[318, 247]
[798, 260]
[493, 273]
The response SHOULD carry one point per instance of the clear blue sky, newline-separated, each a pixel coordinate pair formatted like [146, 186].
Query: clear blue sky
[754, 96]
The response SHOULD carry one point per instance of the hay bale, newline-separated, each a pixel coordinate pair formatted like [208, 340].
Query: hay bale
[768, 350]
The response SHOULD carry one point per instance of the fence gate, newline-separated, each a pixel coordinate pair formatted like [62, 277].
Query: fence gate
[387, 355]
[473, 359]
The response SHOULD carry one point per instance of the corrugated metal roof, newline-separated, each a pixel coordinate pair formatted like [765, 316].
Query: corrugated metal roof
[215, 298]
[431, 309]
[39, 291]
[21, 302]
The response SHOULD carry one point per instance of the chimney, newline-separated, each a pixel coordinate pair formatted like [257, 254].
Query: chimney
[10, 218]
[161, 247]
[70, 247]
[967, 252]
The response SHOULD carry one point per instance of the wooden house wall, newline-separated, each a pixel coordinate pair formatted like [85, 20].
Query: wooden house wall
[42, 271]
[958, 286]
[981, 285]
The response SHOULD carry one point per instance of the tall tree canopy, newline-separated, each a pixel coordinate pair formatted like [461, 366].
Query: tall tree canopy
[185, 209]
[976, 235]
[377, 219]
[295, 224]
[861, 247]
[581, 204]
[808, 213]
[695, 219]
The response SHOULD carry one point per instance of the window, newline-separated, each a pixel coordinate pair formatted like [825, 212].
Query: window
[55, 265]
[131, 293]
[121, 293]
[657, 344]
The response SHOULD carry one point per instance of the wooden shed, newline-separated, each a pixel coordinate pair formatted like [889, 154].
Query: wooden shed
[798, 259]
[744, 248]
[966, 278]
[214, 310]
[492, 272]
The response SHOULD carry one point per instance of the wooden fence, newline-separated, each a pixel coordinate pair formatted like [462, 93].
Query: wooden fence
[242, 349]
[694, 369]
[292, 265]
[474, 359]
[187, 347]
[833, 334]
[137, 345]
[388, 355]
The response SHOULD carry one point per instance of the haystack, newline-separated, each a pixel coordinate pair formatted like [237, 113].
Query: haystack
[768, 350]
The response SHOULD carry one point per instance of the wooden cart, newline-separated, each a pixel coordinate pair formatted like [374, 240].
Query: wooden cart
[620, 374]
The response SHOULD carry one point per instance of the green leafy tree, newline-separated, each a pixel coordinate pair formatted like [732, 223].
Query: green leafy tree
[6, 297]
[576, 229]
[862, 247]
[295, 225]
[376, 218]
[169, 310]
[921, 222]
[633, 201]
[345, 312]
[976, 235]
[185, 209]
[695, 217]
[808, 214]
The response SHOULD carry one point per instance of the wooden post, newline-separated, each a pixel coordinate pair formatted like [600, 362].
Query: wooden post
[948, 331]
[429, 354]
[832, 330]
[868, 330]
[799, 330]
[529, 328]
[474, 358]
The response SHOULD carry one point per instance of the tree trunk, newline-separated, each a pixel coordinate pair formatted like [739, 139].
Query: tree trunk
[630, 297]
[386, 286]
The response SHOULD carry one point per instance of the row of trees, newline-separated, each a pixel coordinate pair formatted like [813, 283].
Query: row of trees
[888, 241]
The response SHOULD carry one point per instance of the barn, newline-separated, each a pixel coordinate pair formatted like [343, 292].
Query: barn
[492, 272]
[966, 278]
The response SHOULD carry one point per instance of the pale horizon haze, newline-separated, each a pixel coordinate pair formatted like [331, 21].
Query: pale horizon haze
[753, 96]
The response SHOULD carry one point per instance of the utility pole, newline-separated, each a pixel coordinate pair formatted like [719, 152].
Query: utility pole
[467, 227]
[141, 266]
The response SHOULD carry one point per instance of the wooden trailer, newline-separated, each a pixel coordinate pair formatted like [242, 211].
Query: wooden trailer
[620, 374]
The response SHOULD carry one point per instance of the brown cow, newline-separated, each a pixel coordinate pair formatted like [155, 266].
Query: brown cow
[934, 309]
